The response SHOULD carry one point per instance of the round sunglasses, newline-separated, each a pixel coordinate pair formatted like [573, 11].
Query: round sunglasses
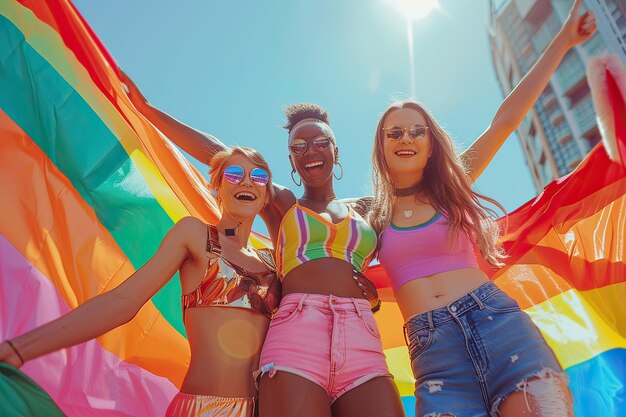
[234, 174]
[397, 132]
[299, 146]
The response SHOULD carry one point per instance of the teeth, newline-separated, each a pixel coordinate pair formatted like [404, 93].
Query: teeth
[314, 164]
[405, 152]
[245, 196]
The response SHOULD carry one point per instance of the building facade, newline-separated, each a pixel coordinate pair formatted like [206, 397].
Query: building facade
[561, 128]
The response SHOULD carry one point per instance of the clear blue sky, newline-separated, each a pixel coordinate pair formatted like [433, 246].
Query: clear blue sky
[230, 67]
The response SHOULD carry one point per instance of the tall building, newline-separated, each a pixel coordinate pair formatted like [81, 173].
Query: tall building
[561, 128]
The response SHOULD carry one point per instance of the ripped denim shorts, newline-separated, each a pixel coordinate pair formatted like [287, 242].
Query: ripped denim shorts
[468, 356]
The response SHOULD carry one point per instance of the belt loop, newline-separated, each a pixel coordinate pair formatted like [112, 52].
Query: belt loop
[356, 306]
[475, 297]
[431, 325]
[405, 333]
[301, 303]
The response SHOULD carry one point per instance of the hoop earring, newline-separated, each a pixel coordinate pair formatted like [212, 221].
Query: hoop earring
[294, 180]
[340, 175]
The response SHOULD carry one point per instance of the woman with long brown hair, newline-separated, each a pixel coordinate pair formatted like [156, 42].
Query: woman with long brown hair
[472, 350]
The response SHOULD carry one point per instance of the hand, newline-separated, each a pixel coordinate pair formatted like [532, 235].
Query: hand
[578, 27]
[8, 355]
[134, 94]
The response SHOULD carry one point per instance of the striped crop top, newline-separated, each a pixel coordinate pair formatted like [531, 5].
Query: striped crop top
[305, 235]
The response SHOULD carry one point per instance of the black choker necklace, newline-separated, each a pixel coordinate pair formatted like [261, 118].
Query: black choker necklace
[408, 191]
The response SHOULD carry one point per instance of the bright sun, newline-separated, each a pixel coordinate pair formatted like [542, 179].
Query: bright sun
[415, 9]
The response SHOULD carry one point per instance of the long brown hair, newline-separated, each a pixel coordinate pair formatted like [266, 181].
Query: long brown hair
[444, 183]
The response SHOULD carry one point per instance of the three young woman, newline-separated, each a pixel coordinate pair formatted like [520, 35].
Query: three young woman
[231, 291]
[322, 355]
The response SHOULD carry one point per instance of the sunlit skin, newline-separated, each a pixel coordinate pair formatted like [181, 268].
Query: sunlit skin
[406, 169]
[239, 210]
[318, 179]
[332, 276]
[225, 342]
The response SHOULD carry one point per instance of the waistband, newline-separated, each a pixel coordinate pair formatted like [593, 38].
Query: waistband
[325, 302]
[473, 299]
[213, 398]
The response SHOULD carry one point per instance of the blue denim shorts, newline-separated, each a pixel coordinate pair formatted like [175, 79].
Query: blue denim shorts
[470, 355]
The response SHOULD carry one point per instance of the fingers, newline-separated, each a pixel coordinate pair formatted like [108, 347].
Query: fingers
[588, 23]
[576, 7]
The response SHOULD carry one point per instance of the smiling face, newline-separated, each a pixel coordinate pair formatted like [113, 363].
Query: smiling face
[406, 154]
[315, 164]
[245, 199]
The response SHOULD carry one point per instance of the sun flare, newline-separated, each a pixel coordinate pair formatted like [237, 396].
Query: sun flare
[415, 9]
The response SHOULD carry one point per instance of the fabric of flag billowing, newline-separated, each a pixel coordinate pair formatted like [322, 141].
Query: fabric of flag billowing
[89, 188]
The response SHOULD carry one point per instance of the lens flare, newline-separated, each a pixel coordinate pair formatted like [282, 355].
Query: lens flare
[415, 9]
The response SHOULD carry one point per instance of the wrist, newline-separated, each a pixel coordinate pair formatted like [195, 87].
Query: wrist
[562, 42]
[15, 351]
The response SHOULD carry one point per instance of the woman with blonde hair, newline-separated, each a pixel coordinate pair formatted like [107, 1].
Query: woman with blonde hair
[230, 293]
[473, 351]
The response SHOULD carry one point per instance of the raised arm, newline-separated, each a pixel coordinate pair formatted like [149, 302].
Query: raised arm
[106, 311]
[200, 145]
[576, 29]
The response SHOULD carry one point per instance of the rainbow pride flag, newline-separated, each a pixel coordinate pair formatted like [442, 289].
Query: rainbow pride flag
[89, 188]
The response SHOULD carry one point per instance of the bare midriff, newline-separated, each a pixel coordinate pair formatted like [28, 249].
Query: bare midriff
[225, 346]
[322, 276]
[438, 290]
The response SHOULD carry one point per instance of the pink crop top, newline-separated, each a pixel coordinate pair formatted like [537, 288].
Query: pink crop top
[409, 253]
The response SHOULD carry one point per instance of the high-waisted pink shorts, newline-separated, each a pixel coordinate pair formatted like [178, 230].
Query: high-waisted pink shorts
[331, 341]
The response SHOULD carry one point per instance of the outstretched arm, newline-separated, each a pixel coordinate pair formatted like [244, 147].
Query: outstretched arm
[200, 145]
[106, 311]
[576, 29]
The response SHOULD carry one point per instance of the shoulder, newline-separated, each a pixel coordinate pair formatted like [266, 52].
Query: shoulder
[189, 224]
[191, 232]
[283, 198]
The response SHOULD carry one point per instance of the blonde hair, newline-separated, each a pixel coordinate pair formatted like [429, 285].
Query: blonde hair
[444, 183]
[219, 161]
